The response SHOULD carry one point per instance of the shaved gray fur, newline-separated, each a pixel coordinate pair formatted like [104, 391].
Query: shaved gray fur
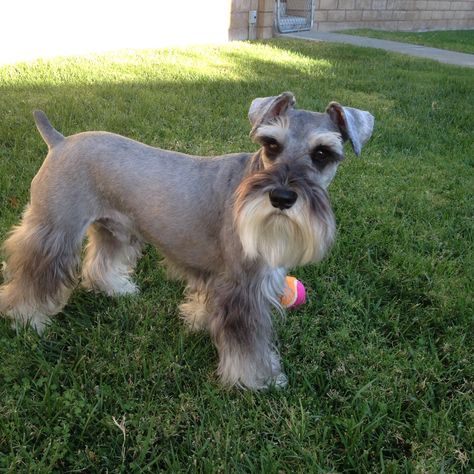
[230, 226]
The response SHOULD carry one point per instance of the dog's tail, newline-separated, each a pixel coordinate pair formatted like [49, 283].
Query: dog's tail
[50, 135]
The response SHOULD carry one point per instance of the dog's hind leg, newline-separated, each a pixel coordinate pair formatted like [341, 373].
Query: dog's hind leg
[40, 269]
[111, 255]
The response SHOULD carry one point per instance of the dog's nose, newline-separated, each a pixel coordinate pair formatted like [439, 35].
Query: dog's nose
[282, 198]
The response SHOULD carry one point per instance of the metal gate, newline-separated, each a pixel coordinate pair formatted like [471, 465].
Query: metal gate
[294, 15]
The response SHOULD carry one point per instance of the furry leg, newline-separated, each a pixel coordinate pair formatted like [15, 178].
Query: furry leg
[39, 271]
[243, 333]
[109, 260]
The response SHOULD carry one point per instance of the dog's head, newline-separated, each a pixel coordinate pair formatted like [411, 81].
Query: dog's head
[283, 213]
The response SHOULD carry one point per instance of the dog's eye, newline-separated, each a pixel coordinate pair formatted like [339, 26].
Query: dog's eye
[320, 154]
[272, 147]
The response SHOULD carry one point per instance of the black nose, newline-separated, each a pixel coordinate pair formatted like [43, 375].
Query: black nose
[282, 198]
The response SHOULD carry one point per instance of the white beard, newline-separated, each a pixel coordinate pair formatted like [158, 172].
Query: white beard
[287, 238]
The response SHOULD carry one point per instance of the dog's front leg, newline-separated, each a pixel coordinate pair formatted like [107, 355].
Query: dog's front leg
[243, 333]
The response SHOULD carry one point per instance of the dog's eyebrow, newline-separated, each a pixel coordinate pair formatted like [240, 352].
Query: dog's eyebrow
[332, 140]
[277, 130]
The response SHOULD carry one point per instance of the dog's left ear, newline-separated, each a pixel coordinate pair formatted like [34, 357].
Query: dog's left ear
[355, 125]
[265, 109]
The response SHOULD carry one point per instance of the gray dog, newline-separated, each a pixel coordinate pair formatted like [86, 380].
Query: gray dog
[230, 226]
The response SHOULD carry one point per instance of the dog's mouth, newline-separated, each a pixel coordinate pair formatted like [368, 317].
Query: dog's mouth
[279, 213]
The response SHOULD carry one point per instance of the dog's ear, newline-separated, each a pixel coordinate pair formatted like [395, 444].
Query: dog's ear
[355, 125]
[265, 109]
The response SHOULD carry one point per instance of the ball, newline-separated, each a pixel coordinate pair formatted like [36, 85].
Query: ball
[294, 294]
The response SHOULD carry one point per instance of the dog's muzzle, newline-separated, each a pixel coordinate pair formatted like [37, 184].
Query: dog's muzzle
[282, 198]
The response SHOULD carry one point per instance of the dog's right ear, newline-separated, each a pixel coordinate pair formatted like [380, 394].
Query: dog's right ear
[355, 125]
[265, 109]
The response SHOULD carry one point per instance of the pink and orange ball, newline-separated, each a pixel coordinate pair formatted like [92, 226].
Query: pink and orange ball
[294, 295]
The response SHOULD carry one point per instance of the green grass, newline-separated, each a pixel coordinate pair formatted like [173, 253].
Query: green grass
[380, 360]
[456, 40]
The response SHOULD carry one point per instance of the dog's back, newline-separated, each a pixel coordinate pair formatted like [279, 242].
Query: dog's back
[97, 176]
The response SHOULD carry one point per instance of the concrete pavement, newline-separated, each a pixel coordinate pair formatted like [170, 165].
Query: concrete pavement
[441, 55]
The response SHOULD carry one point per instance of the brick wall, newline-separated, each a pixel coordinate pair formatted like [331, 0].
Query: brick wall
[402, 15]
[331, 15]
[240, 29]
[265, 20]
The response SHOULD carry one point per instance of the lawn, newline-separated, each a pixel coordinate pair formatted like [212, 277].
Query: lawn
[380, 360]
[456, 40]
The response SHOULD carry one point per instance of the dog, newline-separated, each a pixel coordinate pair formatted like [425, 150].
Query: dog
[230, 226]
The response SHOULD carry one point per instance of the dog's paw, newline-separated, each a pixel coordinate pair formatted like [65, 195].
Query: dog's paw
[280, 381]
[38, 322]
[126, 287]
[111, 287]
[194, 312]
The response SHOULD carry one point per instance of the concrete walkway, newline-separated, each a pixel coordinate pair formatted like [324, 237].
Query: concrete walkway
[441, 55]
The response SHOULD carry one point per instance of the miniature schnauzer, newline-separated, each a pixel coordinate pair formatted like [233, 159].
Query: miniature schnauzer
[230, 225]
